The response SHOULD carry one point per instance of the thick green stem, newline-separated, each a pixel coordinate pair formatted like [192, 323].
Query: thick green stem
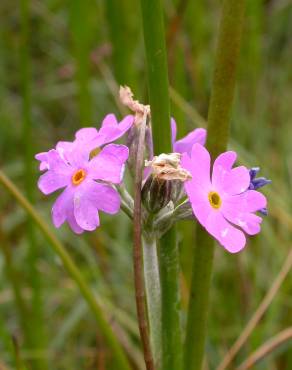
[121, 361]
[223, 89]
[154, 37]
[153, 294]
[153, 28]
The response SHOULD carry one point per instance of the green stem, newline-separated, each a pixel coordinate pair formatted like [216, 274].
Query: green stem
[223, 90]
[153, 294]
[154, 38]
[121, 361]
[155, 49]
[34, 330]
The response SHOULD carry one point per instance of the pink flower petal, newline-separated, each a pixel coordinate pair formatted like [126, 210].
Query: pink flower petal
[185, 144]
[85, 212]
[86, 134]
[91, 197]
[200, 206]
[52, 181]
[43, 158]
[103, 197]
[228, 236]
[72, 220]
[89, 138]
[198, 165]
[222, 164]
[109, 120]
[235, 181]
[57, 163]
[249, 222]
[62, 205]
[109, 164]
[247, 202]
[111, 130]
[126, 123]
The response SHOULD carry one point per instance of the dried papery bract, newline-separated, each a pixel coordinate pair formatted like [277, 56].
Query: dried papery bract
[167, 167]
[140, 110]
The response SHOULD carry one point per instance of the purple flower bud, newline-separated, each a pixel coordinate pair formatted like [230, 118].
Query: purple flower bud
[264, 211]
[259, 182]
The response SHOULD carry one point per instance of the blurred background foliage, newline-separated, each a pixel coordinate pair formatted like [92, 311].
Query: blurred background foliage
[60, 67]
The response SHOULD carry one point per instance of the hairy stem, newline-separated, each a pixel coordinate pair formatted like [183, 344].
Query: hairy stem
[137, 253]
[155, 49]
[227, 56]
[153, 294]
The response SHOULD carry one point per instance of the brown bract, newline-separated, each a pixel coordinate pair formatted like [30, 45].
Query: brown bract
[140, 110]
[167, 167]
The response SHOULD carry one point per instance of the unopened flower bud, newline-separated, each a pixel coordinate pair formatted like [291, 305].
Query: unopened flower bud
[165, 183]
[156, 193]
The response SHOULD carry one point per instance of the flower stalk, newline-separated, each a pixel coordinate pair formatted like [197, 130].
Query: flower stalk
[155, 49]
[153, 294]
[137, 253]
[223, 89]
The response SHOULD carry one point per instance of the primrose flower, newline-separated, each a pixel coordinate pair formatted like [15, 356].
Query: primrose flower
[86, 182]
[223, 203]
[185, 144]
[90, 138]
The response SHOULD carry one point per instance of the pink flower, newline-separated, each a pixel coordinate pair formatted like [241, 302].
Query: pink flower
[185, 144]
[223, 204]
[91, 138]
[86, 182]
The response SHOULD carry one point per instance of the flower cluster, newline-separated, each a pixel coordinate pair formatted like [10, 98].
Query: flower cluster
[86, 168]
[224, 199]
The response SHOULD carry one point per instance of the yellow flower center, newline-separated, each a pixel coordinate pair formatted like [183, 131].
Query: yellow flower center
[214, 199]
[78, 176]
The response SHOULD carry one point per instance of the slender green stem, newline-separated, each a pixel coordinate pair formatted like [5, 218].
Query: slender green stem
[223, 89]
[153, 294]
[154, 37]
[121, 361]
[34, 330]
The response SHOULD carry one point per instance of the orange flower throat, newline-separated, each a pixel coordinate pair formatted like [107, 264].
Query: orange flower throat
[78, 176]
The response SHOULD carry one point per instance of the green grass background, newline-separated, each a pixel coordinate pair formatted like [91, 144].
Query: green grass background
[61, 63]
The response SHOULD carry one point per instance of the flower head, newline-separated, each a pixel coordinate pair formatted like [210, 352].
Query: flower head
[87, 184]
[90, 138]
[223, 204]
[185, 144]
